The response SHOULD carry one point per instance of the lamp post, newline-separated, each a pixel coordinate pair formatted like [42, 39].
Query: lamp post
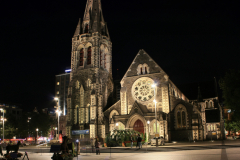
[28, 125]
[155, 102]
[3, 122]
[148, 122]
[37, 135]
[58, 112]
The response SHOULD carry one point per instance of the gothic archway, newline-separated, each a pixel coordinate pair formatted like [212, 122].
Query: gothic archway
[138, 126]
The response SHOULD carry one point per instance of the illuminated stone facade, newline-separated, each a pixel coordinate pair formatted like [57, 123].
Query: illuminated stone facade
[91, 83]
[178, 118]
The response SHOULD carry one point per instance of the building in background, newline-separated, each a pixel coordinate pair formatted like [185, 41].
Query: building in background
[61, 89]
[13, 109]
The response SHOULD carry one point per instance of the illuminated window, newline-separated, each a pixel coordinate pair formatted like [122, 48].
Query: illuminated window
[57, 92]
[58, 83]
[154, 127]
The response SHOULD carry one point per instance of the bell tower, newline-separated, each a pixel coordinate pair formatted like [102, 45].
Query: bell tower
[91, 85]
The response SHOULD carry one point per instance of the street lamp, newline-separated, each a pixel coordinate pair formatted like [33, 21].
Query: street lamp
[28, 125]
[154, 86]
[58, 111]
[37, 135]
[148, 122]
[2, 110]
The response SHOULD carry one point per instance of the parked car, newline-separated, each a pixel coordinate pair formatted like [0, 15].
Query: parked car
[160, 141]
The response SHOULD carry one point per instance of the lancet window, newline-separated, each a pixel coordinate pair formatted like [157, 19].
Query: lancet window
[89, 54]
[181, 117]
[81, 57]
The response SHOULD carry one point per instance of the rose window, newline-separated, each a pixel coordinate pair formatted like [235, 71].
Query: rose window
[142, 89]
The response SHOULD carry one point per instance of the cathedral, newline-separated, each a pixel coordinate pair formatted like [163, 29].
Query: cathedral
[149, 101]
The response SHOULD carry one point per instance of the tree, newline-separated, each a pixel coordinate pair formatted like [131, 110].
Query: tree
[232, 125]
[230, 86]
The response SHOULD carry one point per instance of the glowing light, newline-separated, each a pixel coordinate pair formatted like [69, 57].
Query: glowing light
[148, 122]
[37, 129]
[116, 124]
[55, 98]
[68, 70]
[154, 101]
[153, 85]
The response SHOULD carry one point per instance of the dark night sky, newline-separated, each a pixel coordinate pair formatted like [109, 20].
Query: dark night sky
[192, 42]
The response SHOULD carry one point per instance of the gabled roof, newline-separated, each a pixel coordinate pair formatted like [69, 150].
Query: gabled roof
[141, 58]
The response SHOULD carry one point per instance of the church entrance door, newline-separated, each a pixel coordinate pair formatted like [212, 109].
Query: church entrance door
[138, 126]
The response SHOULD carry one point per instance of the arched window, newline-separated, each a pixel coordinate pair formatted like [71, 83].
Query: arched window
[86, 29]
[154, 127]
[206, 104]
[178, 119]
[209, 129]
[145, 70]
[183, 119]
[105, 61]
[89, 54]
[81, 57]
[211, 105]
[141, 70]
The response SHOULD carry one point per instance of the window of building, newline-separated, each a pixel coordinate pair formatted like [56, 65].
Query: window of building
[211, 104]
[142, 69]
[154, 127]
[105, 61]
[81, 57]
[89, 54]
[57, 92]
[206, 104]
[181, 116]
[58, 83]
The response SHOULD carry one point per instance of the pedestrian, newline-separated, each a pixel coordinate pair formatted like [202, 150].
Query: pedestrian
[131, 139]
[97, 146]
[139, 140]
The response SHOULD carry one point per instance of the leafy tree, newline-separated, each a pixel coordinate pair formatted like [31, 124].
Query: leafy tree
[230, 86]
[232, 125]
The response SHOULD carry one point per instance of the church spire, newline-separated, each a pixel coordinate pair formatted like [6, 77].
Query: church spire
[78, 29]
[93, 17]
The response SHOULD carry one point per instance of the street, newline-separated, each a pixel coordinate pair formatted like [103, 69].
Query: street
[217, 150]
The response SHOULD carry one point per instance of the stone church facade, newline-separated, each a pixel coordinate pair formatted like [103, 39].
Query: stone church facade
[91, 89]
[91, 83]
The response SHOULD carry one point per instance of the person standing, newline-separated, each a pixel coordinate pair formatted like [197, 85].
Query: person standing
[97, 146]
[131, 139]
[139, 140]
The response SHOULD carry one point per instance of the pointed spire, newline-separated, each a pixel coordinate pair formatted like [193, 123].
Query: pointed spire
[199, 95]
[93, 16]
[78, 29]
